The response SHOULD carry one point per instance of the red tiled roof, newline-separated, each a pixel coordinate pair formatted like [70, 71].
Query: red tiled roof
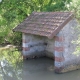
[44, 23]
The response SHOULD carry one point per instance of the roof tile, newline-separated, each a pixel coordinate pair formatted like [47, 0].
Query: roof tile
[44, 23]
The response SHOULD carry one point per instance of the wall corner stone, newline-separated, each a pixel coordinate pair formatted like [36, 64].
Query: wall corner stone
[59, 52]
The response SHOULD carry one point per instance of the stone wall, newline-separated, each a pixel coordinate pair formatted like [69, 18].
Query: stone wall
[37, 46]
[33, 46]
[66, 58]
[49, 48]
[59, 51]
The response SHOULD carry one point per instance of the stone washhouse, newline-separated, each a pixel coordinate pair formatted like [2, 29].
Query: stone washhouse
[51, 34]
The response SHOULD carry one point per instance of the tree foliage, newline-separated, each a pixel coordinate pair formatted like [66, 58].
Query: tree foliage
[74, 6]
[12, 12]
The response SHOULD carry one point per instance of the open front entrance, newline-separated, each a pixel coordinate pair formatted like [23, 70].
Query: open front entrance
[38, 46]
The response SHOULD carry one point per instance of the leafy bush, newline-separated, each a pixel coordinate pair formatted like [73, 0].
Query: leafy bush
[15, 38]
